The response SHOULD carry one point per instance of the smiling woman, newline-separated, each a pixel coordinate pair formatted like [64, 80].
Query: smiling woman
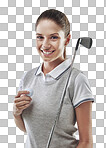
[50, 41]
[36, 114]
[55, 21]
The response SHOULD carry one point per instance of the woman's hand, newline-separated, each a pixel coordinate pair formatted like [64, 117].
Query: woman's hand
[21, 102]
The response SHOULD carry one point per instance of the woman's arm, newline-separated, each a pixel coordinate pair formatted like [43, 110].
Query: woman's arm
[84, 121]
[19, 122]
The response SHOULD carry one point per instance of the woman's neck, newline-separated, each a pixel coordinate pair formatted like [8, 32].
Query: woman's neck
[49, 66]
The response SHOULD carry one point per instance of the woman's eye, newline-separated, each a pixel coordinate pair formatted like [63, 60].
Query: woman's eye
[39, 37]
[54, 37]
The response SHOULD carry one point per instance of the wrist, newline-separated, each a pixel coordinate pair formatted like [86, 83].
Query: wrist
[16, 115]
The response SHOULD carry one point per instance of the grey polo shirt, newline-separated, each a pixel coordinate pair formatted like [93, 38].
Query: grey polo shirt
[40, 115]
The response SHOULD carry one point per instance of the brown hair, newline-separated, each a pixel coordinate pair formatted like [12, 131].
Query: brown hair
[59, 18]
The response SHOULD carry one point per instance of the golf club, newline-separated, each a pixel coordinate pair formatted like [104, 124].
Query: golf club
[86, 42]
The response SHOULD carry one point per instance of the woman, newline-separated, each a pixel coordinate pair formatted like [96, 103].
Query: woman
[35, 115]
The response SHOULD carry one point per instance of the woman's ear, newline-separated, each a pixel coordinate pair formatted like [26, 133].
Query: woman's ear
[67, 39]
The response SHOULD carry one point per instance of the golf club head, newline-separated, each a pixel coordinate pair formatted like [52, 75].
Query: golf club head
[86, 42]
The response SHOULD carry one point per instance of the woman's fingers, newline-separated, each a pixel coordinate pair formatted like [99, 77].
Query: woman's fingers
[23, 97]
[19, 104]
[21, 92]
[24, 106]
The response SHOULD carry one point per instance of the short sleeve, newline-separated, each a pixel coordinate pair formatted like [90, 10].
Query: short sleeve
[82, 90]
[21, 82]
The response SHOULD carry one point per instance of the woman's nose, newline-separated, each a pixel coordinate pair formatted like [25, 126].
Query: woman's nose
[46, 44]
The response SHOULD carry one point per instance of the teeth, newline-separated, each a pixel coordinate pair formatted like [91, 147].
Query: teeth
[46, 52]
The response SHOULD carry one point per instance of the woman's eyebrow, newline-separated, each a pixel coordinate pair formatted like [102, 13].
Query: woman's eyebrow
[38, 34]
[50, 34]
[54, 33]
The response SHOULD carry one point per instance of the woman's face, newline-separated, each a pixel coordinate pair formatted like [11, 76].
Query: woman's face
[50, 41]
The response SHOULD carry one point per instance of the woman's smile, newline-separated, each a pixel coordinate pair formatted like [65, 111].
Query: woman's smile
[47, 52]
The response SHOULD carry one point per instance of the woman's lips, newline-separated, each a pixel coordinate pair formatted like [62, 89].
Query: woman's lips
[47, 52]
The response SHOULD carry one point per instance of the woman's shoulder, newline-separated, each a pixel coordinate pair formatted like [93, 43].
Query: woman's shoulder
[79, 76]
[30, 73]
[81, 80]
[75, 72]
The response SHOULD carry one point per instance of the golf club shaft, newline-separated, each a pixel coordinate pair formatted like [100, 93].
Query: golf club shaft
[60, 107]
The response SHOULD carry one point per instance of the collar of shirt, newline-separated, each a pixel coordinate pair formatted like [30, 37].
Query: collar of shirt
[56, 72]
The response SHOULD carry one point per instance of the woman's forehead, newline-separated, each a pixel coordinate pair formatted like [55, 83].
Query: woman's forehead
[48, 24]
[48, 27]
